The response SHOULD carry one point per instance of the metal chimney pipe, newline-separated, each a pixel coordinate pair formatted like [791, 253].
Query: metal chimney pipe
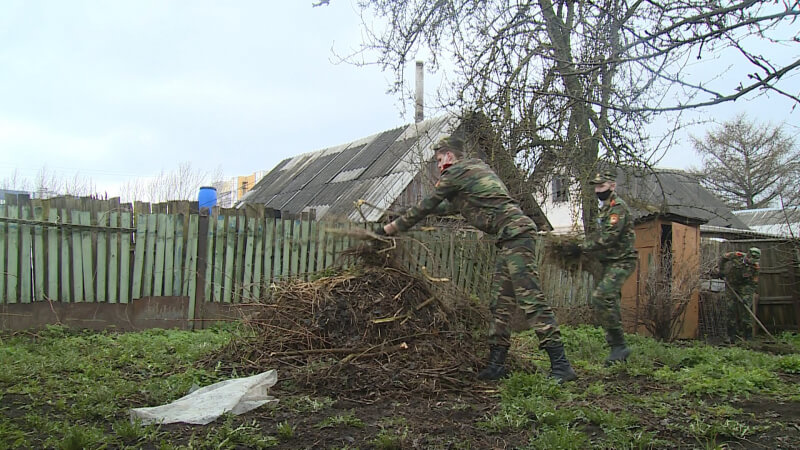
[419, 114]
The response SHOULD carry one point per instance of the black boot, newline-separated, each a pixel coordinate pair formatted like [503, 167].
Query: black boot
[619, 351]
[560, 369]
[495, 369]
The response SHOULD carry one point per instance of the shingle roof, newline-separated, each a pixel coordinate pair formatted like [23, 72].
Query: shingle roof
[673, 192]
[376, 169]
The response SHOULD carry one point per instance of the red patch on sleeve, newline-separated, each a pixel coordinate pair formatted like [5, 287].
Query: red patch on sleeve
[613, 219]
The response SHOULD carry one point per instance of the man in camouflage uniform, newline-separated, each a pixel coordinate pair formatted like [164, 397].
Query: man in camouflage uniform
[613, 246]
[471, 188]
[740, 271]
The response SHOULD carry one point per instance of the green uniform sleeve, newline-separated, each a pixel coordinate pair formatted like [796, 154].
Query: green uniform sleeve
[446, 208]
[446, 188]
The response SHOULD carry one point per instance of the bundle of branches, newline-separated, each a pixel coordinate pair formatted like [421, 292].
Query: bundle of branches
[366, 332]
[553, 254]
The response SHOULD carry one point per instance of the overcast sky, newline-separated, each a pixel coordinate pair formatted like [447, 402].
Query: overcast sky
[117, 90]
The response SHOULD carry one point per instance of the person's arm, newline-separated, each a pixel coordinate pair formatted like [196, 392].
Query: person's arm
[610, 234]
[445, 188]
[446, 208]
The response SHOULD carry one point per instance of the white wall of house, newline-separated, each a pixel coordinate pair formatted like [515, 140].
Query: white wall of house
[560, 206]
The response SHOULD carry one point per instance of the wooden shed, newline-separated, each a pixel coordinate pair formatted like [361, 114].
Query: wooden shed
[662, 296]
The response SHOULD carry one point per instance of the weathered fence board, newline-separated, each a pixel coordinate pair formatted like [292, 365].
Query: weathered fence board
[247, 280]
[269, 248]
[138, 255]
[169, 256]
[3, 271]
[125, 259]
[277, 250]
[190, 268]
[53, 236]
[113, 259]
[219, 253]
[305, 224]
[288, 226]
[151, 244]
[238, 260]
[87, 267]
[230, 247]
[39, 253]
[258, 251]
[102, 263]
[25, 258]
[178, 257]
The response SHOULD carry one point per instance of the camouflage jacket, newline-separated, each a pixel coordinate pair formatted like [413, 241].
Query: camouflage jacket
[739, 268]
[614, 240]
[470, 187]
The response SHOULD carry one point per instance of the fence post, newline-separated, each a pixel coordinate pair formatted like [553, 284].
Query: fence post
[202, 261]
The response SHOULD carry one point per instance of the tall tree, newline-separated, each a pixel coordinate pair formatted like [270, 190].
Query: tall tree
[749, 165]
[569, 82]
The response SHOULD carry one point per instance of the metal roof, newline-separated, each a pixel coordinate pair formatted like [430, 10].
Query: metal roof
[774, 221]
[673, 192]
[376, 169]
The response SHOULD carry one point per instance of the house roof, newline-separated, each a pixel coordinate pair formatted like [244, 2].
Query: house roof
[774, 221]
[376, 169]
[666, 192]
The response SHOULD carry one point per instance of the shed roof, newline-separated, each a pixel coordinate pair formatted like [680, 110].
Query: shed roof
[376, 169]
[673, 193]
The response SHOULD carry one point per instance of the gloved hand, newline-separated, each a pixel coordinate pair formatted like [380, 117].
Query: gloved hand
[571, 249]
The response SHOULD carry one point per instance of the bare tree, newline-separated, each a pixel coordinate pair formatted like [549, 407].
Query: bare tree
[569, 82]
[15, 182]
[749, 165]
[49, 183]
[181, 183]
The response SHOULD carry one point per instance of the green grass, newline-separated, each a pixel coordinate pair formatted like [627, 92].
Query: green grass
[347, 420]
[562, 416]
[82, 379]
[73, 389]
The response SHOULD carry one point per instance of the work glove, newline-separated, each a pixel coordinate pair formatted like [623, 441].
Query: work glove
[571, 249]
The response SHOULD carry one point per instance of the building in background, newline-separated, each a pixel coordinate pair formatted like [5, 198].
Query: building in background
[231, 190]
[783, 222]
[13, 196]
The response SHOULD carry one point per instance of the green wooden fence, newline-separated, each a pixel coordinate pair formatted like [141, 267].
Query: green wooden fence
[80, 250]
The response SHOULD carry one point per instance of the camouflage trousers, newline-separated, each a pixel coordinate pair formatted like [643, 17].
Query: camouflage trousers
[608, 293]
[740, 322]
[516, 282]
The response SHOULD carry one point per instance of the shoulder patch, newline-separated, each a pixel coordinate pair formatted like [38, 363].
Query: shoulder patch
[613, 219]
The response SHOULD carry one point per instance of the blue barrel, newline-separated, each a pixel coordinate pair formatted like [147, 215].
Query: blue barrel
[207, 198]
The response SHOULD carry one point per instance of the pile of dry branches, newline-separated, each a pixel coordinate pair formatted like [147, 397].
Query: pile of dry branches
[366, 332]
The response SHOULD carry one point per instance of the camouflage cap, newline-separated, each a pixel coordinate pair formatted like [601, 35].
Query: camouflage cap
[602, 177]
[451, 142]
